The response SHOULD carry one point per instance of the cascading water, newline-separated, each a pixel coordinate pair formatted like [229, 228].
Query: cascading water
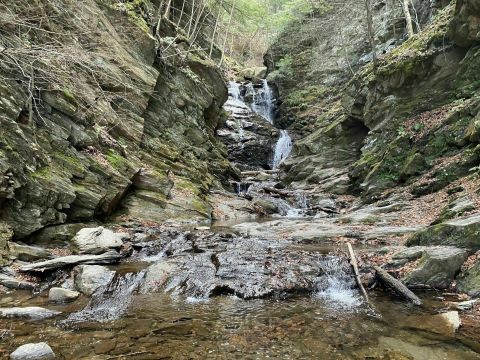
[282, 149]
[109, 302]
[262, 100]
[263, 104]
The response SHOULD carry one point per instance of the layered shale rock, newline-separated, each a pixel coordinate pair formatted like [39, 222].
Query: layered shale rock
[99, 116]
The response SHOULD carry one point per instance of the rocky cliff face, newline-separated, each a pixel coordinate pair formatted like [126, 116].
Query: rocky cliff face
[98, 118]
[409, 122]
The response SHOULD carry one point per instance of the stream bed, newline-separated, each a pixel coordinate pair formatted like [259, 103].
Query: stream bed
[320, 319]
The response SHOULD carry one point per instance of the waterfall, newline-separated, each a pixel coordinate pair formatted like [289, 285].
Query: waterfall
[234, 91]
[262, 102]
[109, 302]
[282, 149]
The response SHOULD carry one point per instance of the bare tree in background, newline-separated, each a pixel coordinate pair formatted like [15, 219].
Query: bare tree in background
[228, 30]
[371, 34]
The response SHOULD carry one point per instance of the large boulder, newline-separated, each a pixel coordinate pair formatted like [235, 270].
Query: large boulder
[462, 232]
[436, 266]
[97, 240]
[88, 278]
[37, 351]
[465, 27]
[61, 295]
[469, 282]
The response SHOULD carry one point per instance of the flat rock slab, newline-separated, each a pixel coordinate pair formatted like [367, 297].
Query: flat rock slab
[32, 313]
[97, 240]
[14, 283]
[37, 351]
[72, 260]
[249, 268]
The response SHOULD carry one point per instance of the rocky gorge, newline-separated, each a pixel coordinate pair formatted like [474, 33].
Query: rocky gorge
[155, 205]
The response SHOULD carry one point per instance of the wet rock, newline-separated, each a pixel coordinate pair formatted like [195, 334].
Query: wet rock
[97, 240]
[445, 324]
[37, 351]
[58, 234]
[265, 207]
[72, 260]
[452, 319]
[60, 295]
[14, 283]
[88, 278]
[249, 268]
[32, 313]
[157, 276]
[466, 305]
[28, 253]
[105, 346]
[469, 282]
[461, 232]
[255, 73]
[437, 266]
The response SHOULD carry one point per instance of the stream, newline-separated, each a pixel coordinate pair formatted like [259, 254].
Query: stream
[220, 294]
[187, 319]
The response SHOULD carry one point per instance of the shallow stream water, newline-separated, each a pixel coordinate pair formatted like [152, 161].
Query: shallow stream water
[331, 324]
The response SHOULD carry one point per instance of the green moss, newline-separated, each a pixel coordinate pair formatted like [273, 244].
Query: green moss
[117, 161]
[69, 96]
[135, 11]
[306, 96]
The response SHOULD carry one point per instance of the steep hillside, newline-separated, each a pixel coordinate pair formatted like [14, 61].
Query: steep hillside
[99, 116]
[406, 127]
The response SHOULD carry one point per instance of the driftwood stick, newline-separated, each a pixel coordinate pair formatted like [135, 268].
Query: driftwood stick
[354, 264]
[282, 193]
[397, 286]
[257, 172]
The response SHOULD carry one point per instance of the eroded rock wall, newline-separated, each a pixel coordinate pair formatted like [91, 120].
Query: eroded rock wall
[98, 116]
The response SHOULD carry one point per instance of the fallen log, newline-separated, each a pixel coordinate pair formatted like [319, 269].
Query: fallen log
[354, 264]
[257, 172]
[271, 190]
[396, 286]
[72, 260]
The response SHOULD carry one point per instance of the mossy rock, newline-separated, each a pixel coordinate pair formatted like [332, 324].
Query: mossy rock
[462, 232]
[469, 282]
[414, 165]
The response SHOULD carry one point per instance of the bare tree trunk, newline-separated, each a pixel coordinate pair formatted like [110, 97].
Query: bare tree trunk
[167, 10]
[197, 21]
[159, 16]
[181, 13]
[228, 30]
[191, 18]
[371, 35]
[215, 28]
[408, 18]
